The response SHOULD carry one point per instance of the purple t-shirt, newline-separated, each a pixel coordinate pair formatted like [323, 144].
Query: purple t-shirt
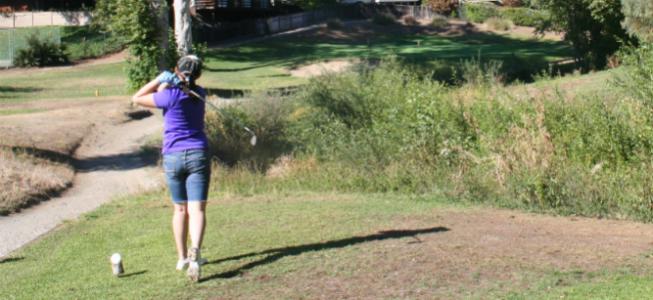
[183, 117]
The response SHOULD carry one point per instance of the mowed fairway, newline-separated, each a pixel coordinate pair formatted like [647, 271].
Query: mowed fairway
[266, 64]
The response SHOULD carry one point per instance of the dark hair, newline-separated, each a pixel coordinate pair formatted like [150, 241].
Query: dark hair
[191, 67]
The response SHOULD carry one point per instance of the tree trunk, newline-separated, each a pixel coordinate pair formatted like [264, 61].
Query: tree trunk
[163, 23]
[183, 34]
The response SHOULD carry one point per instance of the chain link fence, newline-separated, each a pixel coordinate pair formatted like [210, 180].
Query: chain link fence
[14, 39]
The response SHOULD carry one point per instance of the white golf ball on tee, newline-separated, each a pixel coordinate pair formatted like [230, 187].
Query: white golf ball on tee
[116, 258]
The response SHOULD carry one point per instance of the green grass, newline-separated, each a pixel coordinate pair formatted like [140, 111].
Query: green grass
[72, 262]
[616, 284]
[66, 83]
[264, 64]
[86, 42]
[81, 41]
[17, 38]
[6, 112]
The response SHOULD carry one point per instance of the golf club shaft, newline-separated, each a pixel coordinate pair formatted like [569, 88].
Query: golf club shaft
[217, 110]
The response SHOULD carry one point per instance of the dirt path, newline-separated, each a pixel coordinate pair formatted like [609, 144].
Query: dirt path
[108, 163]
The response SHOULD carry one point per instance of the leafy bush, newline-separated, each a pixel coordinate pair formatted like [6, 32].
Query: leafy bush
[512, 3]
[520, 16]
[390, 129]
[384, 19]
[89, 41]
[231, 143]
[478, 13]
[439, 22]
[635, 78]
[41, 53]
[499, 24]
[639, 18]
[525, 16]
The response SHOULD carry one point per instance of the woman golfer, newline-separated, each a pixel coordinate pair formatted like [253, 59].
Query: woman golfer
[185, 159]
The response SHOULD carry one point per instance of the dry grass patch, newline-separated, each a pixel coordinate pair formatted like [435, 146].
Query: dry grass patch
[25, 179]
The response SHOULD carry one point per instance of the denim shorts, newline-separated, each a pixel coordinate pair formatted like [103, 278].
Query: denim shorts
[188, 174]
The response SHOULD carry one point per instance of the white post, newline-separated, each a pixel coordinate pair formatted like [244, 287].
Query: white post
[183, 34]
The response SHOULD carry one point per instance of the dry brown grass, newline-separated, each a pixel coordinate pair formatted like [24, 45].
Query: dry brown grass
[48, 139]
[25, 179]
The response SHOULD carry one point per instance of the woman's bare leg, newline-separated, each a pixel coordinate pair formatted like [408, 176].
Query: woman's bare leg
[197, 222]
[180, 228]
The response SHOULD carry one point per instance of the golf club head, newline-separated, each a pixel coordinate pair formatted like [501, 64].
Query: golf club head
[252, 141]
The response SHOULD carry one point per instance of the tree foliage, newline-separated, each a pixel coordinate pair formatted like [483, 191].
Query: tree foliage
[639, 18]
[592, 26]
[135, 21]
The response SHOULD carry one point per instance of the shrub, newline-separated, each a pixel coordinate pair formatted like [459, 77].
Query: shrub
[390, 129]
[512, 3]
[439, 22]
[444, 7]
[639, 18]
[335, 24]
[40, 53]
[476, 73]
[89, 41]
[384, 19]
[635, 77]
[478, 13]
[230, 142]
[499, 24]
[525, 16]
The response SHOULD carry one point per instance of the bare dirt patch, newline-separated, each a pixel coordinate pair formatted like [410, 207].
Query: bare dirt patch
[454, 254]
[59, 130]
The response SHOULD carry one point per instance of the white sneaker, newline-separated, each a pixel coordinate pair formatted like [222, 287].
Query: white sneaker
[194, 271]
[181, 264]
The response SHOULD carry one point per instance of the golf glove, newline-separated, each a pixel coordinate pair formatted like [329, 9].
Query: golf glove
[169, 78]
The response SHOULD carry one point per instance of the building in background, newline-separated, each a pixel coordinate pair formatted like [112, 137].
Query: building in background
[45, 5]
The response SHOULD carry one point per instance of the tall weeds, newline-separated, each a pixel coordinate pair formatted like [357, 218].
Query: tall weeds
[389, 129]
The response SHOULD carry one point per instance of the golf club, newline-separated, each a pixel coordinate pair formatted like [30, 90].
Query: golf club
[252, 140]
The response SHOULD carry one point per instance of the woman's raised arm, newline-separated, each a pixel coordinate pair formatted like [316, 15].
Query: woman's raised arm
[145, 95]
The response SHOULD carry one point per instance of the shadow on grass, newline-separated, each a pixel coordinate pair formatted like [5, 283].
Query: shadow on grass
[133, 274]
[123, 161]
[522, 59]
[7, 90]
[11, 259]
[279, 253]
